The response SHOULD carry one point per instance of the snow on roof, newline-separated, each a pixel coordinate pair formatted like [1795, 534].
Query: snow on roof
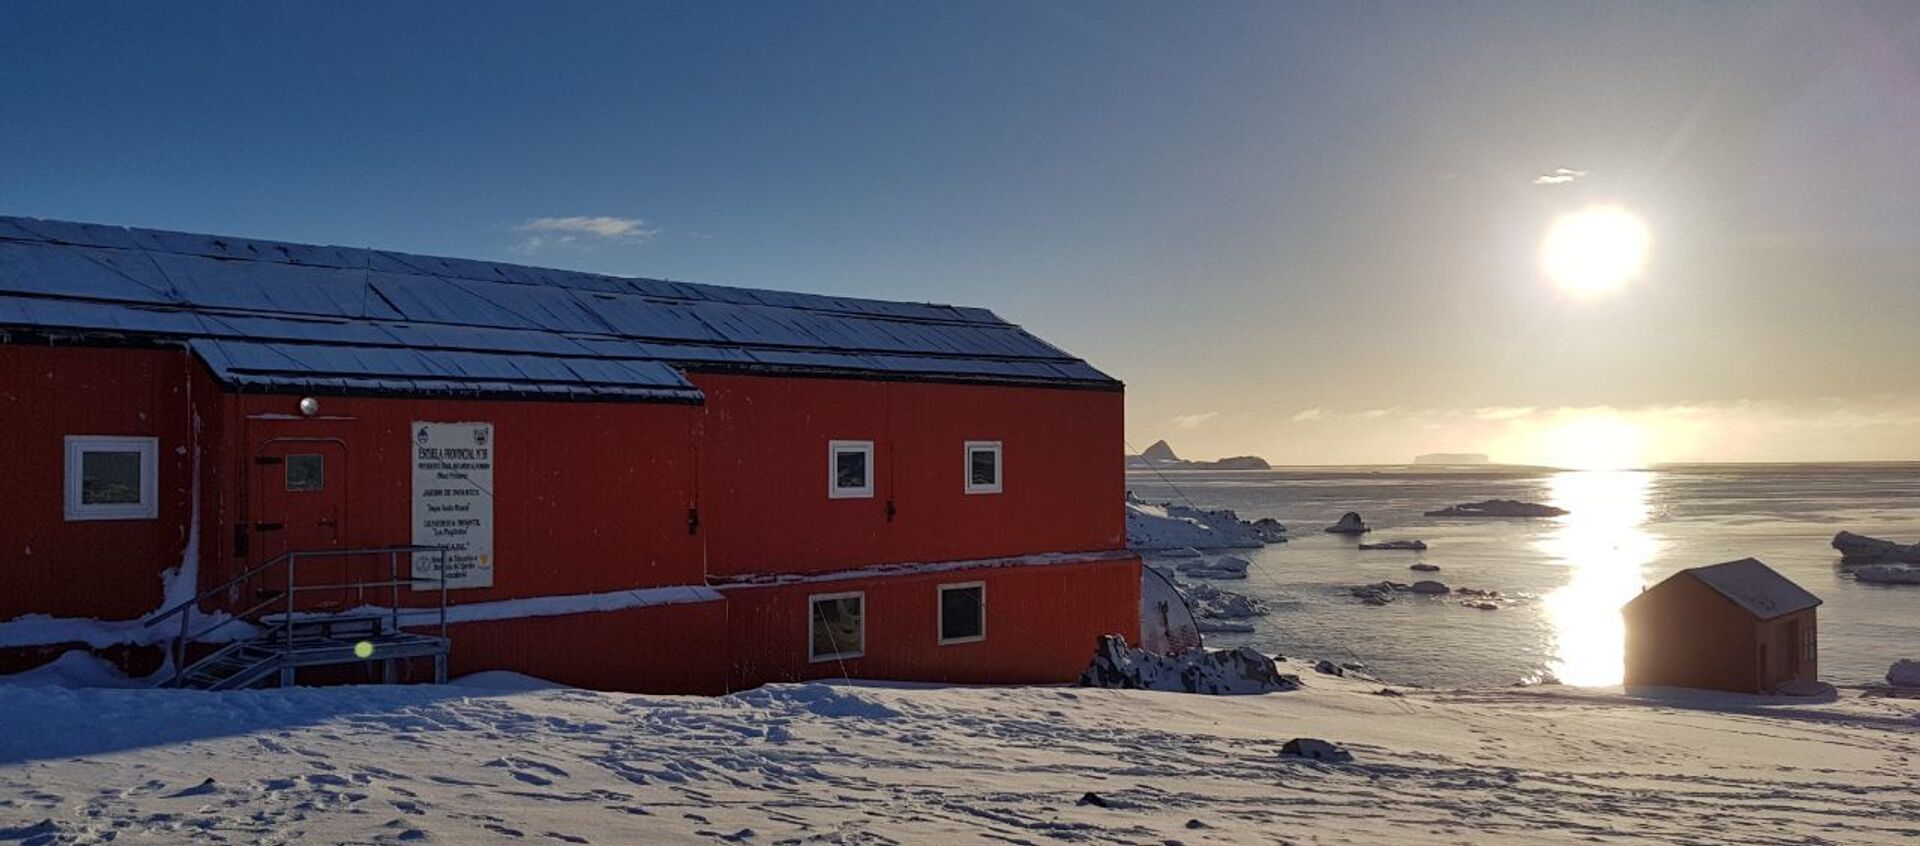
[273, 315]
[1756, 587]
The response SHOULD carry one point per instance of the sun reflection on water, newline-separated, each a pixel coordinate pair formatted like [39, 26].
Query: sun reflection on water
[1604, 541]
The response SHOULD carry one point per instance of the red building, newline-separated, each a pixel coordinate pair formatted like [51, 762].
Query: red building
[634, 484]
[1737, 626]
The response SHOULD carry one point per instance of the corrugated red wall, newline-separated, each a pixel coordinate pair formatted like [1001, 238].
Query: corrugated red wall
[1682, 633]
[1041, 626]
[593, 497]
[764, 473]
[589, 497]
[664, 649]
[94, 568]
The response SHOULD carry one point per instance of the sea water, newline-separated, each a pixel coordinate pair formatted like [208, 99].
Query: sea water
[1562, 580]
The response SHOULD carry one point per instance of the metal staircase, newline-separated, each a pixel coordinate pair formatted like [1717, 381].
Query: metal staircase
[289, 634]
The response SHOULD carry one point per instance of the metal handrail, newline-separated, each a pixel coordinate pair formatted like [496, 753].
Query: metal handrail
[262, 567]
[290, 559]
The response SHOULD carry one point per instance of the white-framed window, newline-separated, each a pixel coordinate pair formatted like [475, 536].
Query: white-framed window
[112, 478]
[836, 626]
[849, 469]
[963, 613]
[983, 467]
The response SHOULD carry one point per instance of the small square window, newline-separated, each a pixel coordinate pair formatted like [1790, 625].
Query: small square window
[963, 613]
[837, 627]
[112, 478]
[849, 469]
[983, 467]
[306, 472]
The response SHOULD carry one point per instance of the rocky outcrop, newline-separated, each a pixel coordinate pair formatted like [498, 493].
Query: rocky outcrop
[1862, 548]
[1888, 574]
[1904, 673]
[1499, 508]
[1160, 452]
[1315, 749]
[1161, 456]
[1234, 672]
[1166, 526]
[1270, 530]
[1424, 567]
[1396, 544]
[1349, 524]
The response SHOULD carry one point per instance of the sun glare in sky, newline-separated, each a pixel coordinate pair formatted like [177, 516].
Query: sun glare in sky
[1590, 440]
[1594, 250]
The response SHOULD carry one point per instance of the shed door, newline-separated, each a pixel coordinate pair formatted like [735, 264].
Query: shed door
[300, 505]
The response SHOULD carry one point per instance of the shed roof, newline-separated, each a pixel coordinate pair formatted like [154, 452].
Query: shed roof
[1753, 586]
[272, 315]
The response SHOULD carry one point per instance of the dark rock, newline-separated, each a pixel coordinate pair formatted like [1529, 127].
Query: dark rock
[1349, 524]
[1328, 668]
[1415, 545]
[1314, 749]
[1424, 567]
[1387, 691]
[1499, 508]
[1430, 588]
[1094, 799]
[1862, 548]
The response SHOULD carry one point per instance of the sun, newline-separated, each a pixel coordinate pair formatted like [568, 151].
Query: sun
[1594, 250]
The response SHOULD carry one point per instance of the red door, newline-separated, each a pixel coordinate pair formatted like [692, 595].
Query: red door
[299, 506]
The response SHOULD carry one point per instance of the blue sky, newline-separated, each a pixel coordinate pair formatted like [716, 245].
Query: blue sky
[1302, 230]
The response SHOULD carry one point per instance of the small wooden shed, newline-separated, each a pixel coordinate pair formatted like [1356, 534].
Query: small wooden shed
[1738, 626]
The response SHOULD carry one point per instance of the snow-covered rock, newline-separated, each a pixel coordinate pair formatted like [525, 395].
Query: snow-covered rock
[1221, 567]
[1862, 548]
[1416, 545]
[1159, 526]
[1233, 672]
[1888, 574]
[1499, 508]
[1904, 673]
[1378, 593]
[1349, 524]
[1211, 602]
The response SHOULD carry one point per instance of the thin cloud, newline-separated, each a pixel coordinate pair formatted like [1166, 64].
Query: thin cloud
[1194, 421]
[1311, 414]
[1501, 412]
[581, 230]
[1559, 176]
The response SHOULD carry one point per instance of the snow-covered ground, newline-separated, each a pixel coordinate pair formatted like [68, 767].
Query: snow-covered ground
[503, 760]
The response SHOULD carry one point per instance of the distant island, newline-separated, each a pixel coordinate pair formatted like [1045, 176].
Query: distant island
[1451, 458]
[1160, 456]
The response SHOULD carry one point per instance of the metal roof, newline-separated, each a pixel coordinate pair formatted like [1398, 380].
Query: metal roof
[271, 315]
[1752, 585]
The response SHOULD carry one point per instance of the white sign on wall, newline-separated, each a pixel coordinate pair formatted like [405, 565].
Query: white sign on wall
[453, 502]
